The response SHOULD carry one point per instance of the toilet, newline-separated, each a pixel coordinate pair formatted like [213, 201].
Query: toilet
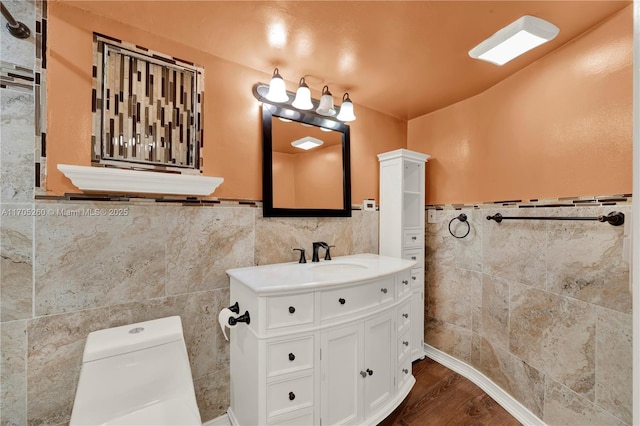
[136, 374]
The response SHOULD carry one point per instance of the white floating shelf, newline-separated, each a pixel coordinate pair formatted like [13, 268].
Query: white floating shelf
[108, 179]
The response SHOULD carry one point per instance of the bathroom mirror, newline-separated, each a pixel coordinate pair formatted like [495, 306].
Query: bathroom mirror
[298, 182]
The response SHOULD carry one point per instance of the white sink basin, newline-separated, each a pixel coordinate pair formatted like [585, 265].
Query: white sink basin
[337, 267]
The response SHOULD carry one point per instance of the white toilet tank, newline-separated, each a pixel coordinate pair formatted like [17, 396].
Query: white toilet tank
[136, 374]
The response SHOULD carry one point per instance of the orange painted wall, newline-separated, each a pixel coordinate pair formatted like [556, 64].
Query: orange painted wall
[232, 119]
[560, 127]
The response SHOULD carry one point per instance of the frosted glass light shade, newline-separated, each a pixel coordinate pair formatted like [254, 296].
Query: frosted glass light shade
[303, 96]
[326, 103]
[307, 143]
[346, 109]
[277, 89]
[515, 39]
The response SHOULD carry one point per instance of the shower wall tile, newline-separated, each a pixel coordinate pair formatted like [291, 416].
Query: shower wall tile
[13, 374]
[562, 406]
[614, 360]
[203, 243]
[55, 345]
[213, 394]
[277, 237]
[468, 250]
[17, 132]
[15, 50]
[523, 382]
[85, 261]
[515, 251]
[585, 261]
[16, 259]
[454, 340]
[440, 247]
[495, 311]
[555, 335]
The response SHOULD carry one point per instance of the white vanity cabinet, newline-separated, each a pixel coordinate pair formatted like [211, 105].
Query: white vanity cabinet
[402, 202]
[324, 343]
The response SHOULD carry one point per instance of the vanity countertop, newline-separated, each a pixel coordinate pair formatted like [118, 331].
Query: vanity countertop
[293, 276]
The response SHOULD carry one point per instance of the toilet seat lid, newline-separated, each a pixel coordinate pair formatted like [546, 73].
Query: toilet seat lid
[175, 412]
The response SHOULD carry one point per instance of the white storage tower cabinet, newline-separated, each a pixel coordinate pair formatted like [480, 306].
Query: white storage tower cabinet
[402, 202]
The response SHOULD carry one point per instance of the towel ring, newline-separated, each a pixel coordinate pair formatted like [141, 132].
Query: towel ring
[462, 218]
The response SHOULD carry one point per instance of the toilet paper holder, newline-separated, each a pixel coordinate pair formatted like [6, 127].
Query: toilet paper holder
[242, 318]
[234, 308]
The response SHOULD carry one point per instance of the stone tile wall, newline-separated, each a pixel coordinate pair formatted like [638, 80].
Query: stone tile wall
[541, 308]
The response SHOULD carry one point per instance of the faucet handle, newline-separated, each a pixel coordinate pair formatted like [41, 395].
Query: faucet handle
[303, 259]
[327, 255]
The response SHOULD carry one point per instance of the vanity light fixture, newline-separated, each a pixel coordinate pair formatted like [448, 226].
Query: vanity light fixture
[277, 89]
[346, 109]
[303, 96]
[307, 143]
[326, 103]
[515, 39]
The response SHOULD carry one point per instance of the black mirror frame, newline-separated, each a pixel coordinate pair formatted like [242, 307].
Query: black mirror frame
[268, 112]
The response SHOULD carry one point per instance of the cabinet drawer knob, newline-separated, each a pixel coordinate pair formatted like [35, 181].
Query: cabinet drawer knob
[291, 357]
[291, 309]
[414, 278]
[405, 371]
[292, 396]
[384, 290]
[404, 342]
[342, 301]
[414, 238]
[363, 374]
[370, 371]
[414, 258]
[405, 282]
[405, 315]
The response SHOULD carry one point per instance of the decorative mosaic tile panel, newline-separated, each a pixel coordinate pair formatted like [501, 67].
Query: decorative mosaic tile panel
[146, 108]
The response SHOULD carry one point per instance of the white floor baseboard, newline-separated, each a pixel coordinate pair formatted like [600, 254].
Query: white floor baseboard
[516, 409]
[223, 420]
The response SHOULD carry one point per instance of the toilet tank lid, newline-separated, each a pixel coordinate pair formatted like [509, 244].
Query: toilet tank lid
[133, 337]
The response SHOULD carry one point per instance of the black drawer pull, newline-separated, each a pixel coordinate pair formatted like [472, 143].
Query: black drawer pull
[342, 301]
[405, 282]
[405, 371]
[405, 315]
[292, 396]
[370, 372]
[384, 290]
[363, 374]
[414, 238]
[291, 309]
[413, 258]
[404, 343]
[414, 278]
[291, 357]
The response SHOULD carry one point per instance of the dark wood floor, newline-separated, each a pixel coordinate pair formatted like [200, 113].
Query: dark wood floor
[443, 397]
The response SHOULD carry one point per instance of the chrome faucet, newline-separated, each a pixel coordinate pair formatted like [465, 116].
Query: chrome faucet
[316, 247]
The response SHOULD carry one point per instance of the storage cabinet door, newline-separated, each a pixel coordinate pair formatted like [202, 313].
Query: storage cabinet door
[379, 362]
[340, 379]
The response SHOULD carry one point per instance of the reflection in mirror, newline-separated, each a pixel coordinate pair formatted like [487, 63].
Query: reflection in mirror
[306, 164]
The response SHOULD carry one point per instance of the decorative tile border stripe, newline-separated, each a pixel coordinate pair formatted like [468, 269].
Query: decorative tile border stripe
[40, 93]
[15, 77]
[584, 201]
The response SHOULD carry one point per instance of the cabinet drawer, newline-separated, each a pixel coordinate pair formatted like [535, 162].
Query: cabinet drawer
[403, 320]
[289, 395]
[284, 311]
[347, 300]
[287, 356]
[404, 283]
[413, 254]
[417, 278]
[413, 238]
[404, 345]
[305, 419]
[404, 372]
